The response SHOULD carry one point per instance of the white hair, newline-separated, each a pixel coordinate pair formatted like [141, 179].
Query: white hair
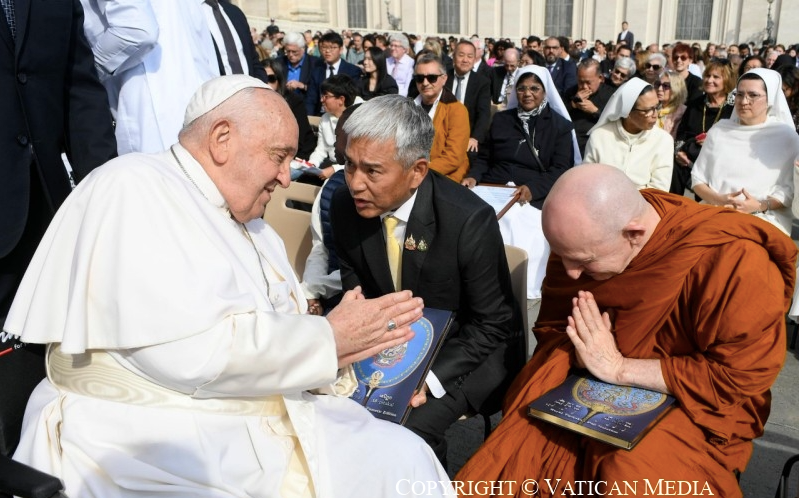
[294, 38]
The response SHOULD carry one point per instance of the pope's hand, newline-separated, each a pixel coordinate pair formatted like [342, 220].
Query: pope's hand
[361, 327]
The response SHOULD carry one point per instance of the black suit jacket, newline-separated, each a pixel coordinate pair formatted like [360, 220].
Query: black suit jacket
[306, 70]
[464, 270]
[478, 101]
[320, 74]
[498, 82]
[239, 21]
[628, 39]
[565, 75]
[52, 102]
[506, 156]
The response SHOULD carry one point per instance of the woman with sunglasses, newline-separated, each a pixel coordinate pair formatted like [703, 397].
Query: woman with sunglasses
[276, 78]
[682, 58]
[376, 81]
[653, 67]
[624, 68]
[701, 114]
[671, 92]
[747, 160]
[626, 137]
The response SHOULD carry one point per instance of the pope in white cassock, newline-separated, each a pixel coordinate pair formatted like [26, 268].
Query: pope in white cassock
[181, 362]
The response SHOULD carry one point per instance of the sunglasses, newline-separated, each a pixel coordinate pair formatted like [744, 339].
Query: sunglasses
[432, 78]
[271, 78]
[680, 57]
[619, 73]
[665, 85]
[654, 67]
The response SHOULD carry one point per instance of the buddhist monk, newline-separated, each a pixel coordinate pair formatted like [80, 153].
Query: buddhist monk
[652, 290]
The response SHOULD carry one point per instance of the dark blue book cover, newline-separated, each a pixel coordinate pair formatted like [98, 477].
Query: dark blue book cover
[619, 415]
[388, 380]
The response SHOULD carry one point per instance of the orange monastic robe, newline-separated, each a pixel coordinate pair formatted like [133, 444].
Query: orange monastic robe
[707, 296]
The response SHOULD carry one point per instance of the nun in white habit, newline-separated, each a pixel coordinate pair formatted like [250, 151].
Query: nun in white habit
[529, 146]
[626, 137]
[181, 360]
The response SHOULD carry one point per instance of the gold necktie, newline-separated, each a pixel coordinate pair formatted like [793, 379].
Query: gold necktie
[393, 250]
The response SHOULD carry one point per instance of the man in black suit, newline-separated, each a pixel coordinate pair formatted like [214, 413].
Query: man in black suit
[562, 71]
[330, 47]
[586, 101]
[239, 20]
[400, 226]
[625, 35]
[52, 102]
[473, 90]
[503, 76]
[298, 66]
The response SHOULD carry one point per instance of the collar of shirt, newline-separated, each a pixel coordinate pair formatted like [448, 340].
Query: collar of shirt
[403, 214]
[335, 67]
[299, 63]
[432, 112]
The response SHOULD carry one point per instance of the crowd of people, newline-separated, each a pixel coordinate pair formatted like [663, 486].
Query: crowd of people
[186, 358]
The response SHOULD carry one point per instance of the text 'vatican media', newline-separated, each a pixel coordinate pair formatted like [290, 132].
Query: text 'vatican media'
[643, 487]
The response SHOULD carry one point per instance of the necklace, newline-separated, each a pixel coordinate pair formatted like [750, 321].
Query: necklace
[706, 107]
[242, 225]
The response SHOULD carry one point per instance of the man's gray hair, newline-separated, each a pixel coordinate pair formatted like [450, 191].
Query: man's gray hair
[393, 118]
[400, 38]
[294, 38]
[429, 57]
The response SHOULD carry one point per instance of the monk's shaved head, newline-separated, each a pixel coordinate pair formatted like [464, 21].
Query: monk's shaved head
[591, 208]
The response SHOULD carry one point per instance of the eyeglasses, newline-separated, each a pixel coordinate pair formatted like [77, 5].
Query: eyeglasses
[328, 48]
[295, 51]
[271, 78]
[654, 67]
[680, 57]
[432, 78]
[666, 85]
[326, 96]
[648, 112]
[546, 47]
[525, 89]
[749, 96]
[621, 74]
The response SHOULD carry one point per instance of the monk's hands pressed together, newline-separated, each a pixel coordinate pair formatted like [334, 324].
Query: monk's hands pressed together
[361, 327]
[590, 333]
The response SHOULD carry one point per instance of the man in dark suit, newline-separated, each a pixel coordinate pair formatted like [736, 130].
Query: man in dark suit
[298, 66]
[586, 101]
[625, 35]
[239, 20]
[330, 48]
[400, 226]
[474, 91]
[52, 102]
[562, 71]
[503, 76]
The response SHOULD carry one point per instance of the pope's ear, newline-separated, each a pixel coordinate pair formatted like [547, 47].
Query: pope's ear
[219, 141]
[418, 170]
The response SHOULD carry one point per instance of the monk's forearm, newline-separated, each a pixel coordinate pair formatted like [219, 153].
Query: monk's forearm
[642, 373]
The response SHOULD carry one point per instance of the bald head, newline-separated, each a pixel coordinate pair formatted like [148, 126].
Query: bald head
[595, 214]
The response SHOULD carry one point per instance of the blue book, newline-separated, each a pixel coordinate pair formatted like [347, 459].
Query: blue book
[618, 415]
[388, 380]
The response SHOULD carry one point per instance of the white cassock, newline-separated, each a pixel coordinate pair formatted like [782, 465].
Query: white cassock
[180, 358]
[149, 84]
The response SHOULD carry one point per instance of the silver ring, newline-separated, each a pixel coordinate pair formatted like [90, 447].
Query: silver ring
[391, 325]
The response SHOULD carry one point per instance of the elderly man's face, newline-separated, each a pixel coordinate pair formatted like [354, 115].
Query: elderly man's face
[377, 181]
[511, 60]
[589, 79]
[600, 261]
[397, 50]
[293, 53]
[258, 157]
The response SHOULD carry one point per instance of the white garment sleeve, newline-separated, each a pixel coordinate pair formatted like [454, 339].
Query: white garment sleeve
[131, 33]
[317, 282]
[589, 155]
[702, 163]
[247, 354]
[661, 172]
